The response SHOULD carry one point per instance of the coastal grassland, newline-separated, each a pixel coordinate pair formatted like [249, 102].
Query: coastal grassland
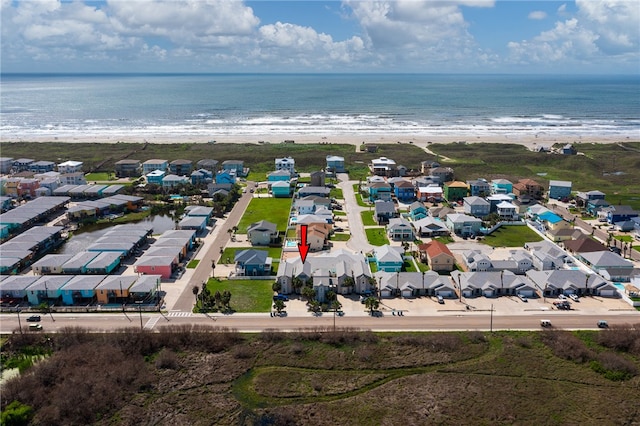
[611, 168]
[246, 295]
[511, 236]
[210, 375]
[275, 210]
[260, 158]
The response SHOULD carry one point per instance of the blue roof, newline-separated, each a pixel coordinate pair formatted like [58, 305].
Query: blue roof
[550, 217]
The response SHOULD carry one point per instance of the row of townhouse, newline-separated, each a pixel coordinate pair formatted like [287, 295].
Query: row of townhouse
[178, 167]
[9, 165]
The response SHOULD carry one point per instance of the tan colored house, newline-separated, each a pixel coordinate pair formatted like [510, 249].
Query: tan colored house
[438, 256]
[317, 235]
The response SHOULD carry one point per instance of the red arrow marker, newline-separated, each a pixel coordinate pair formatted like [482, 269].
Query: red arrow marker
[303, 246]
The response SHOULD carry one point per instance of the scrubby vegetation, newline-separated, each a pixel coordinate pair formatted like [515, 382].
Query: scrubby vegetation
[205, 375]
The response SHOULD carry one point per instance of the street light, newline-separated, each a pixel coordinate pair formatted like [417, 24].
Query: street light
[19, 323]
[139, 303]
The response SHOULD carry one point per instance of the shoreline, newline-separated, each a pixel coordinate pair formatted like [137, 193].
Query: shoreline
[530, 141]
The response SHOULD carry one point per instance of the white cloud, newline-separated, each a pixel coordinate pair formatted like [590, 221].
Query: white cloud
[537, 15]
[602, 32]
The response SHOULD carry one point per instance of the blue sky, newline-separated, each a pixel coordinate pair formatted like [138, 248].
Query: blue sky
[450, 36]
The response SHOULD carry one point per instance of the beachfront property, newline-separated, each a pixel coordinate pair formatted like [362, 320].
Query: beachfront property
[441, 174]
[127, 168]
[287, 164]
[335, 164]
[154, 164]
[528, 187]
[501, 186]
[5, 165]
[70, 166]
[155, 176]
[279, 176]
[384, 166]
[75, 178]
[201, 176]
[559, 189]
[568, 149]
[234, 167]
[181, 167]
[427, 165]
[208, 164]
[42, 166]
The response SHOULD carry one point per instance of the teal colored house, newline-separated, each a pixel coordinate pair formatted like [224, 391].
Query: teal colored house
[417, 211]
[80, 289]
[501, 186]
[47, 289]
[156, 176]
[388, 258]
[335, 164]
[225, 176]
[379, 191]
[279, 175]
[281, 189]
[252, 262]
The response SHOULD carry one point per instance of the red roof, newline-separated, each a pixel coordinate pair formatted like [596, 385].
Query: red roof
[435, 248]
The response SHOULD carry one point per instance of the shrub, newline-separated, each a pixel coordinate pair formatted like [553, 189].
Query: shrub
[614, 366]
[167, 359]
[621, 338]
[16, 414]
[566, 346]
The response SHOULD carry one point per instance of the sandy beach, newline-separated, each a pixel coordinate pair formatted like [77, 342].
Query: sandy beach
[530, 141]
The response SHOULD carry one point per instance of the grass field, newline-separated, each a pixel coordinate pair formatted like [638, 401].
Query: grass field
[193, 263]
[246, 295]
[367, 218]
[376, 236]
[511, 236]
[229, 253]
[275, 210]
[338, 236]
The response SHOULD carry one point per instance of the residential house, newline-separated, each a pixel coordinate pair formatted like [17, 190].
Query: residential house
[610, 266]
[501, 186]
[379, 191]
[492, 284]
[252, 262]
[287, 164]
[145, 289]
[533, 212]
[438, 256]
[13, 289]
[383, 166]
[27, 188]
[597, 208]
[417, 211]
[399, 229]
[404, 190]
[42, 166]
[153, 165]
[442, 174]
[496, 199]
[75, 178]
[171, 181]
[317, 178]
[201, 176]
[155, 177]
[566, 282]
[235, 167]
[318, 191]
[462, 224]
[114, 289]
[455, 191]
[335, 164]
[552, 221]
[563, 234]
[559, 189]
[127, 168]
[406, 284]
[80, 289]
[281, 189]
[507, 211]
[430, 193]
[568, 149]
[626, 225]
[181, 167]
[476, 206]
[262, 233]
[479, 188]
[547, 255]
[427, 165]
[583, 197]
[438, 285]
[198, 224]
[22, 164]
[155, 265]
[45, 289]
[584, 244]
[5, 164]
[208, 164]
[519, 262]
[528, 187]
[279, 175]
[349, 272]
[388, 258]
[616, 214]
[430, 227]
[70, 167]
[225, 177]
[384, 211]
[441, 212]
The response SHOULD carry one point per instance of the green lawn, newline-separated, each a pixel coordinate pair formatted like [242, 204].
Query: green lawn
[193, 263]
[336, 193]
[511, 236]
[340, 237]
[377, 236]
[274, 210]
[246, 295]
[229, 253]
[367, 218]
[624, 238]
[99, 177]
[409, 266]
[339, 213]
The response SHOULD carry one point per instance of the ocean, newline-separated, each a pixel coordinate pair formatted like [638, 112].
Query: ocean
[76, 106]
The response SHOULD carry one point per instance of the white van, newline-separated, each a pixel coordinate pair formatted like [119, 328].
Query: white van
[545, 323]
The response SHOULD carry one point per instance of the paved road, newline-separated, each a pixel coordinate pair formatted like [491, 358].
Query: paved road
[358, 240]
[260, 322]
[212, 252]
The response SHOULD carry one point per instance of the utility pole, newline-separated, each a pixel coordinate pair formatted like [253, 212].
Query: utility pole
[491, 321]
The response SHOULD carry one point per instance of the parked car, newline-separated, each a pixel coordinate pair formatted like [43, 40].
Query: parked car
[34, 318]
[282, 297]
[440, 300]
[523, 297]
[603, 324]
[574, 297]
[545, 323]
[35, 327]
[562, 297]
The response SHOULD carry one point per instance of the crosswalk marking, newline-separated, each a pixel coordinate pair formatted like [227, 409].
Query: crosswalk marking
[151, 323]
[179, 314]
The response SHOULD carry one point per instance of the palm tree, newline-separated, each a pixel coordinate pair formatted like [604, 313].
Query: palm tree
[297, 283]
[195, 291]
[309, 294]
[372, 304]
[276, 287]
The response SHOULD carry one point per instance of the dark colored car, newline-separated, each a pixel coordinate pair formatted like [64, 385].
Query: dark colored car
[34, 318]
[280, 297]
